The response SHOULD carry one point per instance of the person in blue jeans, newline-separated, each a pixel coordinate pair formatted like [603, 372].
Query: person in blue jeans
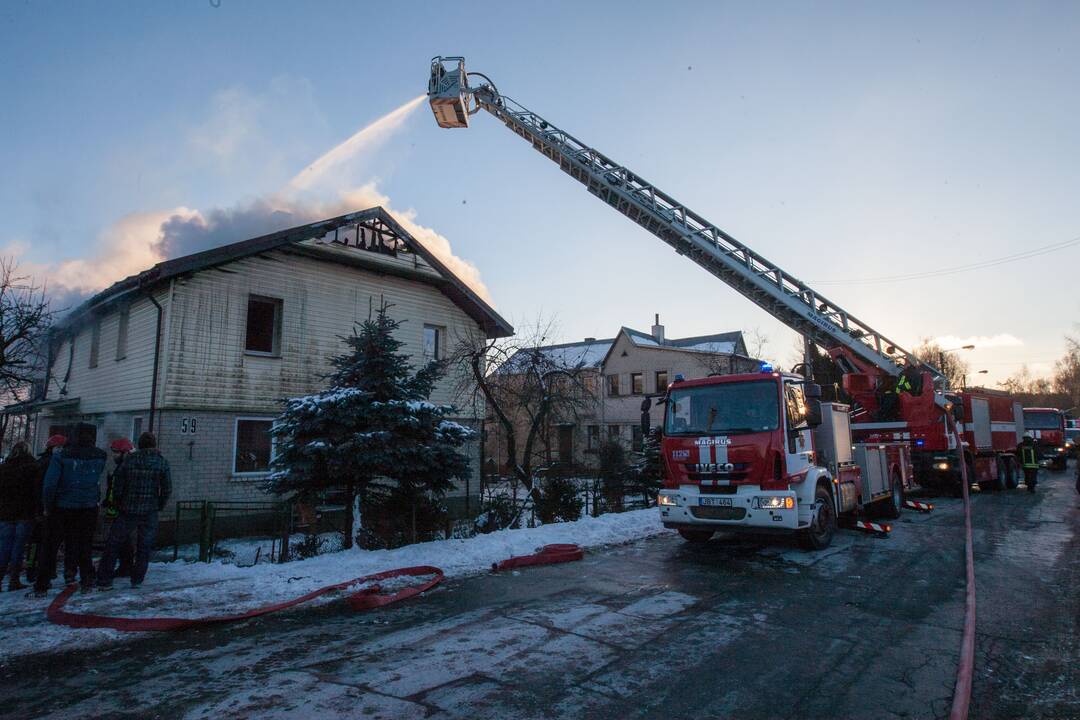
[20, 490]
[70, 494]
[141, 487]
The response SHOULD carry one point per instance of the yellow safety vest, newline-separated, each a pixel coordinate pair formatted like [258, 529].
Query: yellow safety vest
[1027, 455]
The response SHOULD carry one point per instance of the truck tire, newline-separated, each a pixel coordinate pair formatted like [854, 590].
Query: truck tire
[890, 508]
[1011, 480]
[696, 536]
[820, 533]
[999, 475]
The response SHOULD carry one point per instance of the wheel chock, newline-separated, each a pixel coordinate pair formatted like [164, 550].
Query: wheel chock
[920, 506]
[879, 529]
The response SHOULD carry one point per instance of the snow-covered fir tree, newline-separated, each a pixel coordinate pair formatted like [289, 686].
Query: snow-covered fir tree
[372, 433]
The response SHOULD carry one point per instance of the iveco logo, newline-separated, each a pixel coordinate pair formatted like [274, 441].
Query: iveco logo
[713, 467]
[720, 440]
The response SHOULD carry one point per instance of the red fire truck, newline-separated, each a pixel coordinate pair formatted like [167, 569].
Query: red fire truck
[760, 452]
[1047, 426]
[991, 422]
[899, 401]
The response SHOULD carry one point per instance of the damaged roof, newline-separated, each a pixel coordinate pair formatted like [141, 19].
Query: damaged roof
[374, 220]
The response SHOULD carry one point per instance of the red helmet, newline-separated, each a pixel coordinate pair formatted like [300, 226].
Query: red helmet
[121, 445]
[55, 441]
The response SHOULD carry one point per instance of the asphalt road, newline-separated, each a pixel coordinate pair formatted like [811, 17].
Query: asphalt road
[739, 627]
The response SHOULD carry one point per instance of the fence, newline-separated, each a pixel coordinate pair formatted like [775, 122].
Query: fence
[206, 522]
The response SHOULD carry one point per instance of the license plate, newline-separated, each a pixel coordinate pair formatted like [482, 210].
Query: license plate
[714, 502]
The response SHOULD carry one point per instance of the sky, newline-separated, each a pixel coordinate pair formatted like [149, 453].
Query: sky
[847, 142]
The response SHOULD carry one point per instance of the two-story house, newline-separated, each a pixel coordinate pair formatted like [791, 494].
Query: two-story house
[620, 372]
[203, 349]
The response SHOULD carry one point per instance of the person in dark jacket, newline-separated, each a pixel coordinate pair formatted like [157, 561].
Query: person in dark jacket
[142, 485]
[20, 488]
[36, 545]
[70, 494]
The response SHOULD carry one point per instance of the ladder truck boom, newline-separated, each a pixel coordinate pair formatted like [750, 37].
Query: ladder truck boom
[851, 341]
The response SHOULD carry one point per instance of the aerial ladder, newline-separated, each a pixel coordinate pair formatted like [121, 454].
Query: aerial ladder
[885, 381]
[858, 347]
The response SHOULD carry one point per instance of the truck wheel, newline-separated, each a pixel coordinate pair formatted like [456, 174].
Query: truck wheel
[1010, 473]
[696, 536]
[891, 507]
[823, 527]
[999, 475]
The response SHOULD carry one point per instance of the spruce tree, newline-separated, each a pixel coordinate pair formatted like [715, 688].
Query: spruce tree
[372, 433]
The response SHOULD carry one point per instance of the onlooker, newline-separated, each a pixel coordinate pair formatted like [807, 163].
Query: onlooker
[71, 492]
[20, 488]
[37, 535]
[142, 486]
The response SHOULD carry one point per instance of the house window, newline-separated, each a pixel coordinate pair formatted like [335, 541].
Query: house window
[136, 429]
[254, 446]
[95, 343]
[613, 385]
[263, 326]
[637, 384]
[593, 437]
[661, 381]
[635, 438]
[433, 343]
[122, 334]
[613, 433]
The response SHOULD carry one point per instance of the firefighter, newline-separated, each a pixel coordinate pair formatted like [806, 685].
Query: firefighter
[126, 551]
[1029, 458]
[37, 535]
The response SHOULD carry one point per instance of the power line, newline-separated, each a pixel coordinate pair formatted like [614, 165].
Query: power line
[982, 264]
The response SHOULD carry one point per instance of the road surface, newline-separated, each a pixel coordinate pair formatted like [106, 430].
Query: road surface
[739, 627]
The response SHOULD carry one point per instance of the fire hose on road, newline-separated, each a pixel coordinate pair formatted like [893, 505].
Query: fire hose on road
[966, 670]
[369, 597]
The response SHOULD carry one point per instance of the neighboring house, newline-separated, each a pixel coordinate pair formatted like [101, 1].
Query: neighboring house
[203, 349]
[619, 373]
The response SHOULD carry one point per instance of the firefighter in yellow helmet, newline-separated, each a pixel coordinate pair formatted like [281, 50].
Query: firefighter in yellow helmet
[1029, 459]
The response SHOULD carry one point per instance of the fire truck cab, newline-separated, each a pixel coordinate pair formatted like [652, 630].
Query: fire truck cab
[1047, 426]
[761, 452]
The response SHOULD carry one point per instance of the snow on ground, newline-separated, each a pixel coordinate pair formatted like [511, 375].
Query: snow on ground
[191, 589]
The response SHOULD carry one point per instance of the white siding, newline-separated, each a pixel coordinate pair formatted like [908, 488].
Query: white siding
[114, 385]
[207, 365]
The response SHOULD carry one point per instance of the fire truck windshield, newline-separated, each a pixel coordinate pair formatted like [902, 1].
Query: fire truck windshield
[1041, 420]
[724, 408]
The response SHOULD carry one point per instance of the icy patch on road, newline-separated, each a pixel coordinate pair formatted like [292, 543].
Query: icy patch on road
[184, 589]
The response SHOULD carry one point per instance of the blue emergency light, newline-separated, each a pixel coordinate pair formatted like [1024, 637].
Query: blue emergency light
[766, 367]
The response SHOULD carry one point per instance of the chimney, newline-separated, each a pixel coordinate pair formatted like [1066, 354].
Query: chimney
[590, 340]
[658, 330]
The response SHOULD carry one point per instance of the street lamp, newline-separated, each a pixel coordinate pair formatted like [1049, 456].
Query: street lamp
[979, 372]
[941, 359]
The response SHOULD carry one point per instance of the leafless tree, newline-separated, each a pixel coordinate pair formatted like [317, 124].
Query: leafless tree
[950, 364]
[526, 389]
[25, 318]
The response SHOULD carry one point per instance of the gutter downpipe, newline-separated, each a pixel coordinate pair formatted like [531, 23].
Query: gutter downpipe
[157, 356]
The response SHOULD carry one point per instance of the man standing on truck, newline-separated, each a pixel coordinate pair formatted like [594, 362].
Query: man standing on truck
[1029, 458]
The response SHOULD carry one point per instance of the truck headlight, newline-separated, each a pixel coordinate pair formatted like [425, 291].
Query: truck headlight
[664, 499]
[774, 502]
[1061, 449]
[941, 466]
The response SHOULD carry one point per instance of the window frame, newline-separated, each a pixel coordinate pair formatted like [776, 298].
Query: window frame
[123, 325]
[440, 333]
[613, 385]
[614, 432]
[637, 439]
[95, 344]
[592, 437]
[235, 449]
[279, 314]
[640, 389]
[136, 429]
[656, 381]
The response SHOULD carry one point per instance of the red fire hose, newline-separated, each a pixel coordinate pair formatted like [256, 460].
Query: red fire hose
[966, 670]
[547, 555]
[366, 598]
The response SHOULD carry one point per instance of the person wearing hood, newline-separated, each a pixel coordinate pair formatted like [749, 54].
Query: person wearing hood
[20, 488]
[71, 491]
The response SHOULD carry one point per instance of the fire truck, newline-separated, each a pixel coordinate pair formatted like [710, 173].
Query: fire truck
[792, 462]
[1047, 426]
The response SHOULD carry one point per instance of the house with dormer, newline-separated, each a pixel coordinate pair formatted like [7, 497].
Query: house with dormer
[203, 349]
[620, 372]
